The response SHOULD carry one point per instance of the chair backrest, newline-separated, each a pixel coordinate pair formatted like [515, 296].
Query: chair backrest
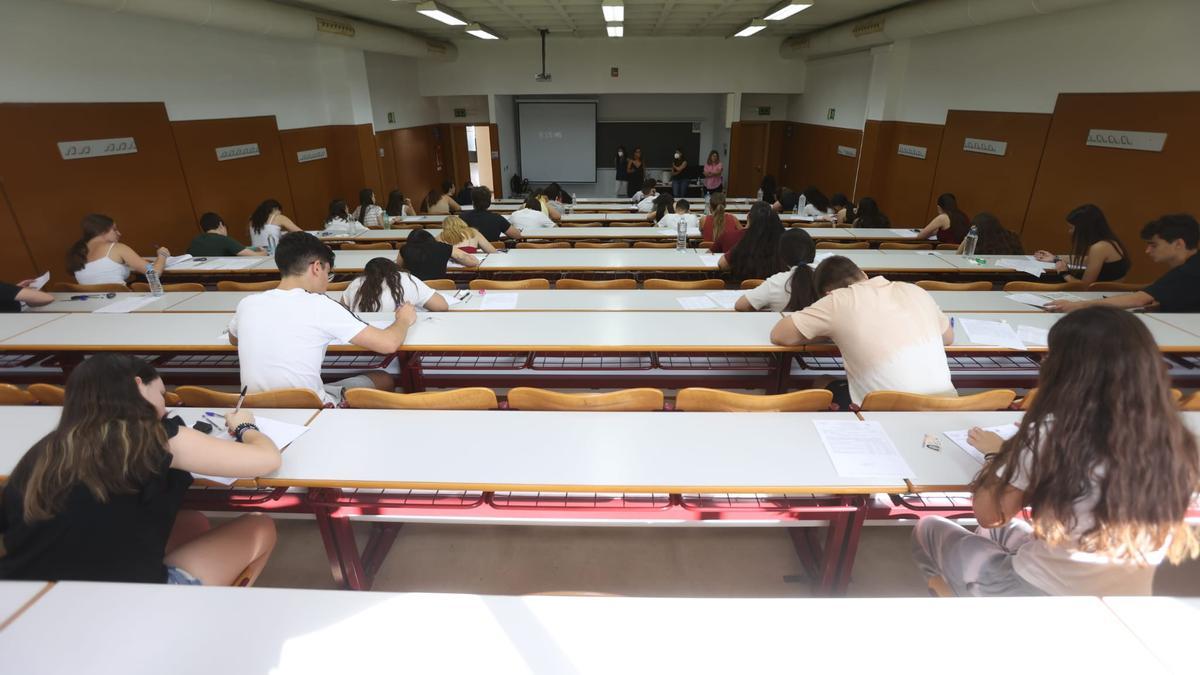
[955, 286]
[671, 284]
[699, 399]
[338, 286]
[14, 395]
[653, 244]
[1036, 286]
[845, 245]
[906, 246]
[48, 394]
[246, 286]
[276, 398]
[548, 244]
[995, 399]
[706, 245]
[64, 287]
[574, 224]
[946, 247]
[441, 284]
[606, 244]
[469, 398]
[143, 287]
[377, 246]
[496, 285]
[625, 400]
[749, 284]
[609, 285]
[1120, 286]
[498, 245]
[1190, 402]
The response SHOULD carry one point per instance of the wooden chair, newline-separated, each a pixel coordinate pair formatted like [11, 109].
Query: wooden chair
[1189, 402]
[377, 246]
[143, 287]
[246, 286]
[1120, 286]
[574, 224]
[625, 400]
[50, 394]
[955, 286]
[610, 285]
[63, 287]
[671, 284]
[707, 245]
[905, 246]
[751, 283]
[996, 399]
[442, 284]
[653, 244]
[946, 247]
[549, 244]
[607, 244]
[338, 286]
[495, 285]
[499, 245]
[468, 398]
[939, 588]
[700, 399]
[14, 395]
[1037, 286]
[844, 245]
[197, 397]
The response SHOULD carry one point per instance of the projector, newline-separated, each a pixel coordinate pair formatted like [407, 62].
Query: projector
[542, 77]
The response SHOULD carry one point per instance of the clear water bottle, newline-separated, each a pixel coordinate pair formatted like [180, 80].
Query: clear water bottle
[680, 233]
[271, 246]
[758, 195]
[970, 241]
[707, 203]
[801, 202]
[156, 287]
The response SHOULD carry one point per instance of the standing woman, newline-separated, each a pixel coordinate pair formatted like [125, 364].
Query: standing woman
[622, 173]
[267, 225]
[1107, 494]
[679, 181]
[399, 206]
[99, 257]
[756, 256]
[635, 172]
[369, 213]
[713, 172]
[950, 225]
[98, 498]
[463, 237]
[1096, 252]
[439, 202]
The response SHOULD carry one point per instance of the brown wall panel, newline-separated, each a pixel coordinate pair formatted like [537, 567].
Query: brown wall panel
[417, 160]
[902, 185]
[1131, 186]
[145, 191]
[812, 158]
[384, 158]
[366, 156]
[233, 188]
[999, 185]
[15, 257]
[316, 182]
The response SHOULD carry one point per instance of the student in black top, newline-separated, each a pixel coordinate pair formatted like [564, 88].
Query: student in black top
[1096, 252]
[788, 199]
[622, 173]
[867, 214]
[1170, 240]
[768, 189]
[464, 195]
[426, 258]
[490, 225]
[11, 296]
[215, 241]
[97, 499]
[679, 180]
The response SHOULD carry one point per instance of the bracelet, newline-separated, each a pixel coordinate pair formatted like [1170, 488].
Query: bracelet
[242, 429]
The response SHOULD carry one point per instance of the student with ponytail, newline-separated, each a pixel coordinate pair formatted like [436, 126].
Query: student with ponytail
[756, 256]
[99, 257]
[384, 286]
[370, 214]
[790, 290]
[713, 226]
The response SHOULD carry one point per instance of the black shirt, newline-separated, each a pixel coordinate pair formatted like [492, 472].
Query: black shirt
[123, 539]
[1179, 289]
[427, 261]
[8, 298]
[490, 225]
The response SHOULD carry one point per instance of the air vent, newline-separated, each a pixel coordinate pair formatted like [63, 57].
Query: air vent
[868, 27]
[334, 26]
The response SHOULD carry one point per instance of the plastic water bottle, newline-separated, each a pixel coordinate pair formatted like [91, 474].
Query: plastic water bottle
[156, 287]
[680, 233]
[758, 195]
[271, 246]
[801, 202]
[707, 203]
[970, 241]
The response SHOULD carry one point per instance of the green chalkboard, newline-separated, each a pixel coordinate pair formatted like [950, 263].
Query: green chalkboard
[658, 141]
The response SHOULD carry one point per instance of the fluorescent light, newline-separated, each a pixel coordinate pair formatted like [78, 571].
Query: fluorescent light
[787, 9]
[614, 11]
[481, 32]
[751, 28]
[615, 30]
[436, 11]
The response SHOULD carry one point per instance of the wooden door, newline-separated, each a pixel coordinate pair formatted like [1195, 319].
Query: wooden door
[747, 158]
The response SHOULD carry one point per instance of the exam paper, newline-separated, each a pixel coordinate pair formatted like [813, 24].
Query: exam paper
[1031, 267]
[126, 305]
[1032, 335]
[709, 259]
[861, 449]
[998, 333]
[499, 301]
[1028, 299]
[696, 302]
[1005, 431]
[449, 297]
[725, 299]
[176, 259]
[281, 434]
[37, 283]
[908, 234]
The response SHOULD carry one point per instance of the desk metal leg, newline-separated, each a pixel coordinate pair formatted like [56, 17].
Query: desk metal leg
[851, 546]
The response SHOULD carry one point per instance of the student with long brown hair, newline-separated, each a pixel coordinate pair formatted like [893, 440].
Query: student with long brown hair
[97, 499]
[790, 290]
[383, 287]
[1097, 254]
[268, 225]
[439, 201]
[718, 222]
[950, 224]
[99, 257]
[1103, 462]
[756, 255]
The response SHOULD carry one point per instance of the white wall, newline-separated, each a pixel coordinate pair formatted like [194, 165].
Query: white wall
[839, 82]
[503, 112]
[582, 66]
[392, 81]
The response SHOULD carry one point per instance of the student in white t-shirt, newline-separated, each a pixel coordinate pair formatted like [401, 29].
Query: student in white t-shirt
[282, 334]
[384, 286]
[682, 211]
[531, 217]
[791, 290]
[339, 221]
[648, 191]
[1107, 493]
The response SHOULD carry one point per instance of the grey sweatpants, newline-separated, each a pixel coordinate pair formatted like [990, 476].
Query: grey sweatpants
[975, 563]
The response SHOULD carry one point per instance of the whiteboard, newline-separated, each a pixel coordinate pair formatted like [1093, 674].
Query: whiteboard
[558, 141]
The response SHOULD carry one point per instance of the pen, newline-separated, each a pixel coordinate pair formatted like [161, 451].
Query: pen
[97, 295]
[241, 398]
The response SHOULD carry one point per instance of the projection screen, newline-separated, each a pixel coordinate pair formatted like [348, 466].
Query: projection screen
[558, 141]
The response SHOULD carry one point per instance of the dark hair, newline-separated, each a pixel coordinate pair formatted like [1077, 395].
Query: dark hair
[481, 198]
[662, 202]
[993, 238]
[683, 205]
[768, 187]
[553, 191]
[710, 154]
[834, 272]
[797, 249]
[1172, 227]
[395, 203]
[210, 221]
[959, 222]
[1090, 227]
[262, 214]
[756, 256]
[817, 198]
[637, 149]
[1142, 463]
[297, 250]
[337, 210]
[649, 184]
[108, 441]
[435, 195]
[788, 199]
[840, 201]
[366, 199]
[531, 202]
[93, 225]
[868, 214]
[418, 248]
[377, 273]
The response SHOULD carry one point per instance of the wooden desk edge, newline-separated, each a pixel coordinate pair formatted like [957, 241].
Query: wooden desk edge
[26, 605]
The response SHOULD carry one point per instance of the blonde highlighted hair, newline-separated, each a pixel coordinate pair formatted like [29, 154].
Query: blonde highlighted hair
[455, 231]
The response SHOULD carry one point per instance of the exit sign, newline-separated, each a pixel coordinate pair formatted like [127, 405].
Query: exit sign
[460, 112]
[764, 110]
[832, 112]
[616, 72]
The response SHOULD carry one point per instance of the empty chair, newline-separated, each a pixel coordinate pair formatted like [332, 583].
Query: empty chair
[606, 244]
[625, 400]
[844, 245]
[247, 285]
[468, 398]
[441, 284]
[51, 394]
[750, 284]
[995, 399]
[143, 287]
[1037, 286]
[906, 246]
[549, 244]
[671, 284]
[1118, 286]
[606, 285]
[89, 288]
[14, 395]
[700, 399]
[653, 244]
[377, 246]
[276, 398]
[955, 285]
[497, 285]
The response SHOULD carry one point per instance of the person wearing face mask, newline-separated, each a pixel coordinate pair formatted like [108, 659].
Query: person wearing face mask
[622, 173]
[679, 179]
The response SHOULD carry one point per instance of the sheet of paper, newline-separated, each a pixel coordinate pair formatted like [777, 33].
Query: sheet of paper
[1005, 431]
[126, 305]
[1028, 299]
[1057, 295]
[709, 259]
[450, 299]
[176, 259]
[907, 234]
[280, 433]
[37, 283]
[1044, 265]
[998, 333]
[499, 301]
[1031, 267]
[696, 302]
[725, 299]
[861, 449]
[1033, 336]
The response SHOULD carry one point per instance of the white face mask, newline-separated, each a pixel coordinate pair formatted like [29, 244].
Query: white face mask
[677, 155]
[620, 153]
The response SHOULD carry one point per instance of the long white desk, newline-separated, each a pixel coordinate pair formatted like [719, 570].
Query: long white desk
[612, 259]
[13, 325]
[292, 632]
[14, 596]
[950, 469]
[114, 332]
[1189, 323]
[1165, 626]
[1169, 338]
[63, 302]
[993, 301]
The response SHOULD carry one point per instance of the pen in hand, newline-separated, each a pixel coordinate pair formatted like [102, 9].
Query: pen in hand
[241, 398]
